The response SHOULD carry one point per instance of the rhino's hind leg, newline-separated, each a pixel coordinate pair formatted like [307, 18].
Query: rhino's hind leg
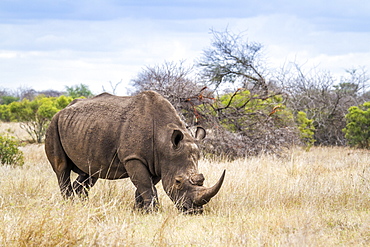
[146, 193]
[63, 170]
[64, 181]
[83, 184]
[58, 159]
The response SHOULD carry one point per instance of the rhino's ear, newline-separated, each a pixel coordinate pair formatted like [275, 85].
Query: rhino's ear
[176, 138]
[200, 133]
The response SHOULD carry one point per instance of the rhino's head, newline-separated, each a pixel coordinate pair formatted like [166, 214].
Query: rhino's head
[182, 182]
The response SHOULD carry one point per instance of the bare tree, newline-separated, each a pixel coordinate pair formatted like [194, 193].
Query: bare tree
[246, 117]
[26, 93]
[233, 62]
[30, 93]
[174, 81]
[113, 87]
[324, 99]
[51, 93]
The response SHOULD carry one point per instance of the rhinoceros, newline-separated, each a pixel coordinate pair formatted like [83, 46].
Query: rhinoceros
[141, 137]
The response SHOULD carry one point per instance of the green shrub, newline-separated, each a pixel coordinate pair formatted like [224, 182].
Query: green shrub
[5, 114]
[35, 115]
[7, 99]
[357, 130]
[245, 112]
[9, 151]
[306, 129]
[79, 91]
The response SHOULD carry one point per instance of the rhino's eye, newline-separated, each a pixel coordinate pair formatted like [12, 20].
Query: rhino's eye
[178, 182]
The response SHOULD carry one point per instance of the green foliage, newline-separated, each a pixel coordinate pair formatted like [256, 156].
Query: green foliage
[347, 88]
[253, 109]
[9, 151]
[357, 130]
[7, 99]
[243, 123]
[35, 115]
[306, 129]
[79, 91]
[63, 101]
[5, 114]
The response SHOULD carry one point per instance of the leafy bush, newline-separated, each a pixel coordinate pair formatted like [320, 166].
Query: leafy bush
[5, 114]
[78, 91]
[9, 151]
[306, 129]
[242, 111]
[324, 99]
[35, 115]
[7, 99]
[241, 124]
[357, 131]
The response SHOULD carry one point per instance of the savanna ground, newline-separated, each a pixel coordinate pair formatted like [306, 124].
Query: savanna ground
[315, 198]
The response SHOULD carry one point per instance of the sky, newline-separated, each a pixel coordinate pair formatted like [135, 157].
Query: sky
[53, 44]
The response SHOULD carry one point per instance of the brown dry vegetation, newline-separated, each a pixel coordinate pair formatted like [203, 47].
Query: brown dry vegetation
[315, 198]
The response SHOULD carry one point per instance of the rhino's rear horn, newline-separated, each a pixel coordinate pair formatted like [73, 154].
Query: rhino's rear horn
[205, 194]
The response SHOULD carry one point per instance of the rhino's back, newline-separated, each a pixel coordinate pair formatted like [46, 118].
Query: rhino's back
[92, 131]
[92, 119]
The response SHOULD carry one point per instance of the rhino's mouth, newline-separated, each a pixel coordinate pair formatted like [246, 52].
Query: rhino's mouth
[187, 206]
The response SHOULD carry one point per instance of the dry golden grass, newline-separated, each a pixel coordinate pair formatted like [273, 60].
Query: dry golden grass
[315, 198]
[15, 130]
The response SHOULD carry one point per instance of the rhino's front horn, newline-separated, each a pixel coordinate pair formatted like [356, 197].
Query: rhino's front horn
[205, 194]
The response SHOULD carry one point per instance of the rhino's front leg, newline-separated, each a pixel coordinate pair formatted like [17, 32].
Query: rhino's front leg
[146, 193]
[139, 201]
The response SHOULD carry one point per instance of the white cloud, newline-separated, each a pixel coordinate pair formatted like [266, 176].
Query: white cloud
[52, 53]
[291, 39]
[58, 53]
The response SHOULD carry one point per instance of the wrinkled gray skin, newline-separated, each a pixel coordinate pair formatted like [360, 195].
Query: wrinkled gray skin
[140, 137]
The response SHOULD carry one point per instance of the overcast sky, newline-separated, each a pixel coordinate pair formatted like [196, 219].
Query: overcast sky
[50, 44]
